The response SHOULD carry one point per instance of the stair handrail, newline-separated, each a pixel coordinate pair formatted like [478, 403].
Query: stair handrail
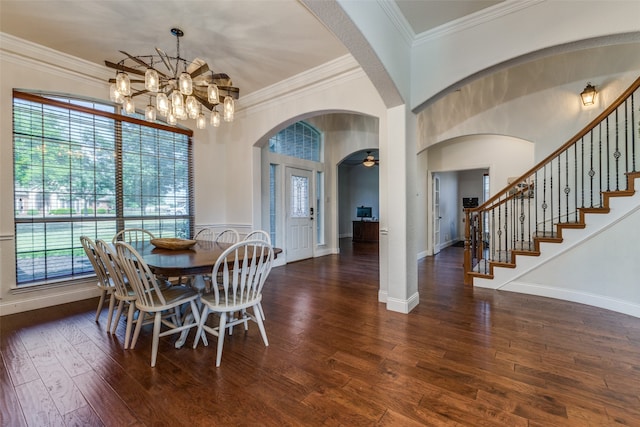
[511, 190]
[634, 86]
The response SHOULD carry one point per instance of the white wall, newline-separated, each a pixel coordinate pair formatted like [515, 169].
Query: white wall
[603, 272]
[512, 30]
[537, 101]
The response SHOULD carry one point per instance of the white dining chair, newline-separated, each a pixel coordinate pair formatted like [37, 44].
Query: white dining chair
[162, 305]
[228, 235]
[124, 295]
[133, 236]
[104, 283]
[258, 235]
[239, 276]
[205, 234]
[265, 237]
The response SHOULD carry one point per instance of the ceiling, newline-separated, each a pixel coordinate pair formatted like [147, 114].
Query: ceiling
[256, 42]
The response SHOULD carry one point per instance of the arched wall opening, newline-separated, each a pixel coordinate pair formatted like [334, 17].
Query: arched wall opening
[343, 133]
[502, 156]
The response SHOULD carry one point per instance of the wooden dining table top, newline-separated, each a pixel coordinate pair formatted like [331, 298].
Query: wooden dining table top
[199, 259]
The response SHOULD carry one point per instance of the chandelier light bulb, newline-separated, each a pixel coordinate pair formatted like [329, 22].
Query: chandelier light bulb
[215, 119]
[182, 114]
[162, 103]
[178, 110]
[201, 121]
[150, 113]
[171, 118]
[229, 109]
[114, 94]
[193, 107]
[185, 83]
[151, 80]
[129, 105]
[213, 94]
[123, 84]
[176, 100]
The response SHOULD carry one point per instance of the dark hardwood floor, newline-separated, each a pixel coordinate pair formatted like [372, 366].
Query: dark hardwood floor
[337, 357]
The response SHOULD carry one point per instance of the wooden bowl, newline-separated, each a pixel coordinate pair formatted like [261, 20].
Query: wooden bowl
[172, 243]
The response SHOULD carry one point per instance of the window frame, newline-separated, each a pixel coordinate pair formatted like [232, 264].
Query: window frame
[112, 222]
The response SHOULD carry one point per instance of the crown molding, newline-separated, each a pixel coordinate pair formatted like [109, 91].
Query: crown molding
[325, 75]
[20, 49]
[398, 20]
[475, 19]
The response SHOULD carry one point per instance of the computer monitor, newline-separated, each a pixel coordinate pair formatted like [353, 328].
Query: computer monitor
[364, 212]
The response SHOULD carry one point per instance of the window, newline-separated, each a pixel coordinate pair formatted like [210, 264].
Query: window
[81, 169]
[299, 197]
[272, 203]
[320, 208]
[299, 140]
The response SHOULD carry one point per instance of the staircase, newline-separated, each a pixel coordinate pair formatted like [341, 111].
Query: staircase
[580, 189]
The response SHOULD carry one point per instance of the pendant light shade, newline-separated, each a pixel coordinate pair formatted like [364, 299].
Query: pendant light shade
[176, 100]
[114, 94]
[162, 103]
[171, 118]
[193, 107]
[213, 94]
[150, 113]
[123, 84]
[229, 109]
[151, 80]
[215, 118]
[185, 83]
[201, 121]
[129, 105]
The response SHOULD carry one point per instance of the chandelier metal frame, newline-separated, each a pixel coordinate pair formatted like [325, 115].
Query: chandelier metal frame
[181, 88]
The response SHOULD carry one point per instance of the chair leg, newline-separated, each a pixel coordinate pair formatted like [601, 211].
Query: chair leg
[100, 304]
[263, 332]
[118, 316]
[131, 313]
[200, 331]
[139, 323]
[221, 334]
[112, 302]
[261, 311]
[157, 321]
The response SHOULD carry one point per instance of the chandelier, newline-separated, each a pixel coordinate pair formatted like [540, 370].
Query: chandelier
[177, 89]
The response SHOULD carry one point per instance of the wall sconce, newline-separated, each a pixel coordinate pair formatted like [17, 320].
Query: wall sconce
[588, 95]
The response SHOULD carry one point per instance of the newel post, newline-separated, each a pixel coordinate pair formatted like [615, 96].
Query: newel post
[468, 280]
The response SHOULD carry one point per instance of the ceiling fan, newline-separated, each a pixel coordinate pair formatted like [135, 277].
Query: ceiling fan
[370, 161]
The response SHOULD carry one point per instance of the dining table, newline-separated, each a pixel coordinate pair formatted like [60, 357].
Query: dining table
[194, 262]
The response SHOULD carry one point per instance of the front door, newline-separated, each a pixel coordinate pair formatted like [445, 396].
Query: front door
[299, 215]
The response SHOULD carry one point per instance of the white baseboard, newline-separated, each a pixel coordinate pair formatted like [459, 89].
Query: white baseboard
[46, 299]
[403, 306]
[595, 300]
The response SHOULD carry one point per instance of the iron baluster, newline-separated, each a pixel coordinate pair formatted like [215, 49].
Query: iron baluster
[544, 202]
[600, 167]
[608, 161]
[591, 171]
[616, 154]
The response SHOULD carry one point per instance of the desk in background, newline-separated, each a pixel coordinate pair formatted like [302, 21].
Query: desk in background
[366, 231]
